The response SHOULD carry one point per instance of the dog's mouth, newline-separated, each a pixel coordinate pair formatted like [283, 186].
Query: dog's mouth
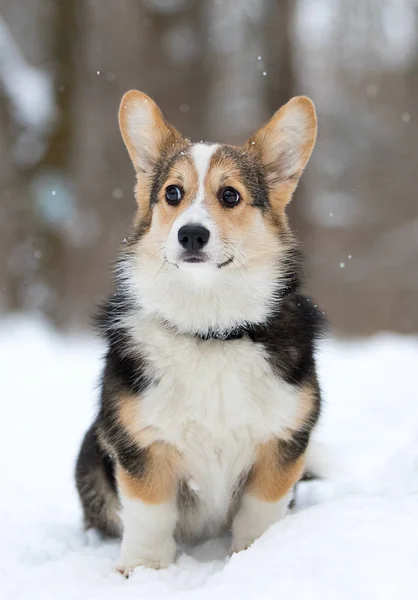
[196, 258]
[201, 258]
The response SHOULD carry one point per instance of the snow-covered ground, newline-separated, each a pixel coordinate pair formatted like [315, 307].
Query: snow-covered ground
[354, 536]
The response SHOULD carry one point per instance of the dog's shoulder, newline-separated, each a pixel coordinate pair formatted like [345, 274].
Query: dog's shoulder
[290, 337]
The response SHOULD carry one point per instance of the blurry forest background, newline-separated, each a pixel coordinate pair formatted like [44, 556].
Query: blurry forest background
[218, 69]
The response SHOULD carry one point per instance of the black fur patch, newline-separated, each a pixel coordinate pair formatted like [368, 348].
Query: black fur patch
[139, 230]
[289, 338]
[124, 372]
[92, 453]
[122, 366]
[96, 485]
[291, 268]
[289, 451]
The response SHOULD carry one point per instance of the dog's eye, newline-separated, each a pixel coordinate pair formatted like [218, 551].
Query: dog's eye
[173, 195]
[230, 197]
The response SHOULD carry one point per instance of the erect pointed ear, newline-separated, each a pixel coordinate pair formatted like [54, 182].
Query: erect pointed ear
[144, 130]
[285, 144]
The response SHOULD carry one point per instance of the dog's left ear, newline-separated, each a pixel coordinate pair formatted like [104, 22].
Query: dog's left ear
[284, 145]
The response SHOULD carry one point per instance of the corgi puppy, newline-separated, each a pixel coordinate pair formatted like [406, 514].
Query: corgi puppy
[209, 391]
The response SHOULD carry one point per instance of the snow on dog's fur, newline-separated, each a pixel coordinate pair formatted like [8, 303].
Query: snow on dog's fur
[209, 390]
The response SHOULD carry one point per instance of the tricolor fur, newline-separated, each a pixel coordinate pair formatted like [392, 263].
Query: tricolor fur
[209, 390]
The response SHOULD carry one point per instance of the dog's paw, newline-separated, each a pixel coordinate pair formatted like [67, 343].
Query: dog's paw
[125, 568]
[240, 544]
[151, 557]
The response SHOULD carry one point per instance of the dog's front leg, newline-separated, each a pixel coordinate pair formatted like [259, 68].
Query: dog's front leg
[267, 494]
[149, 512]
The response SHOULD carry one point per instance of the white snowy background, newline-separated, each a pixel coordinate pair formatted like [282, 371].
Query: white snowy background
[353, 535]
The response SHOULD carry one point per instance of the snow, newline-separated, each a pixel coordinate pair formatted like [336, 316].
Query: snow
[352, 536]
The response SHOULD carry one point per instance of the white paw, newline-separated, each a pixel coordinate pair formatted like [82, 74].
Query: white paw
[245, 530]
[253, 518]
[125, 568]
[240, 544]
[153, 557]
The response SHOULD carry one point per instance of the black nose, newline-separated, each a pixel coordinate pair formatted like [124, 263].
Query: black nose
[193, 237]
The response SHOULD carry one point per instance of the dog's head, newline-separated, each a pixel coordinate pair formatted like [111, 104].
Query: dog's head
[211, 247]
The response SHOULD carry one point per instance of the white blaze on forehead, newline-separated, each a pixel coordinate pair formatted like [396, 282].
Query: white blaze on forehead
[202, 154]
[197, 213]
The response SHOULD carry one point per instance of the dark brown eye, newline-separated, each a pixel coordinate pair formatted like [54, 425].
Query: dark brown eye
[173, 195]
[230, 197]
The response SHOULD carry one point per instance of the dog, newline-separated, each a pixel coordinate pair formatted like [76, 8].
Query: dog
[209, 391]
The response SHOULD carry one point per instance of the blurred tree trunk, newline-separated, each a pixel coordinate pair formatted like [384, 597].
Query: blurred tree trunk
[236, 91]
[281, 76]
[55, 162]
[21, 245]
[16, 225]
[282, 81]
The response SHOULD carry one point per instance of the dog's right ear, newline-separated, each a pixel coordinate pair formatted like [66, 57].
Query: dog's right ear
[144, 130]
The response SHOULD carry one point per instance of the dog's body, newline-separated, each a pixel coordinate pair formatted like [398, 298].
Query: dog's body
[209, 391]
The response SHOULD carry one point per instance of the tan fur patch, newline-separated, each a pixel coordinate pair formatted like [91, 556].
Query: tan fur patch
[130, 417]
[159, 482]
[306, 404]
[271, 478]
[305, 408]
[307, 401]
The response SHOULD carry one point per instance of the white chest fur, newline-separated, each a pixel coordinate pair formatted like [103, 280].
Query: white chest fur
[215, 401]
